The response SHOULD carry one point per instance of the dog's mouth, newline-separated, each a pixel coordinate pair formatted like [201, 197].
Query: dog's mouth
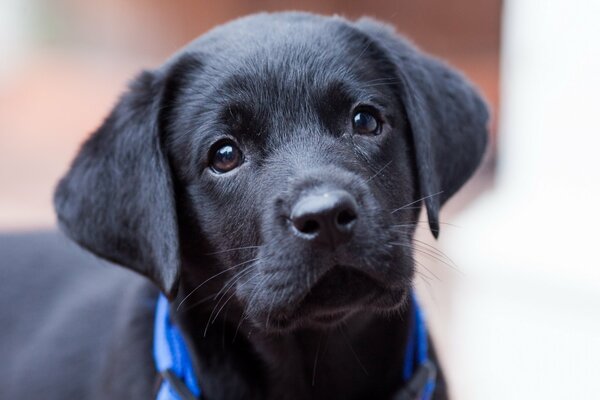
[339, 293]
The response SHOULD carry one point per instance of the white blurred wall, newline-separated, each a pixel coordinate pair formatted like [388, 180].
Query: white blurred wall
[526, 313]
[14, 33]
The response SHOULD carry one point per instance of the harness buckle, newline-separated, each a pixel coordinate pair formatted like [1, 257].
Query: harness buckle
[178, 385]
[420, 386]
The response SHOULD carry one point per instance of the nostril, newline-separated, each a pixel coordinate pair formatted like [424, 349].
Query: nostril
[326, 218]
[345, 217]
[310, 226]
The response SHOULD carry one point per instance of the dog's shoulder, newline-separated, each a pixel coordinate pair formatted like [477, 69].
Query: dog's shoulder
[80, 317]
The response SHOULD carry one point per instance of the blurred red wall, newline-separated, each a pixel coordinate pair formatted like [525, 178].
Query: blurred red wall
[80, 55]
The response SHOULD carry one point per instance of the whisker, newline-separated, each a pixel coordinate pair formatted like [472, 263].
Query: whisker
[211, 278]
[439, 257]
[413, 223]
[233, 280]
[428, 270]
[427, 253]
[229, 250]
[410, 208]
[197, 303]
[256, 288]
[244, 316]
[380, 171]
[426, 279]
[439, 253]
[430, 252]
[237, 328]
[428, 286]
[214, 296]
[210, 317]
[347, 340]
[220, 309]
[229, 285]
[416, 201]
[269, 313]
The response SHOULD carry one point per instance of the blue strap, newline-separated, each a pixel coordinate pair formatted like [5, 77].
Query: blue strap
[173, 361]
[416, 353]
[171, 357]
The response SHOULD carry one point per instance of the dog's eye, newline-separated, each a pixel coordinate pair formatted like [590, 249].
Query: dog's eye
[225, 157]
[365, 123]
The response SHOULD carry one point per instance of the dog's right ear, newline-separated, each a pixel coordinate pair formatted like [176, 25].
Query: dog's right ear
[117, 198]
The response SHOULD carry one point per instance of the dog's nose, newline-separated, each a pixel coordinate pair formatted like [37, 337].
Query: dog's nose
[326, 219]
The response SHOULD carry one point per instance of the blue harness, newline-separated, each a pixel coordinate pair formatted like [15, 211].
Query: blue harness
[172, 359]
[174, 363]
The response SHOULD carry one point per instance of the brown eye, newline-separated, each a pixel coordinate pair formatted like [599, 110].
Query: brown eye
[364, 123]
[226, 157]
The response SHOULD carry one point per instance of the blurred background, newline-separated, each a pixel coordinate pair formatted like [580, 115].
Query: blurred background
[513, 296]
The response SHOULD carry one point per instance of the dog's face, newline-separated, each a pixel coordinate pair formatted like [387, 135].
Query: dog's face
[292, 153]
[281, 159]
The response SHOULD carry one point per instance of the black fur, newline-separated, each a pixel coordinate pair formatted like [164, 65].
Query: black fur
[267, 313]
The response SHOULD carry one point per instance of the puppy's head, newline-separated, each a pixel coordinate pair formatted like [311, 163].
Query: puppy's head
[278, 162]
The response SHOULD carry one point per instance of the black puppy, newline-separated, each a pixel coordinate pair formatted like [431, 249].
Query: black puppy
[267, 179]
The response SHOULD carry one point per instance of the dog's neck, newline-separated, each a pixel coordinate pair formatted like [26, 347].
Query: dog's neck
[360, 358]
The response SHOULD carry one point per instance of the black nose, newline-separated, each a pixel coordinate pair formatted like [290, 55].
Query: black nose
[327, 218]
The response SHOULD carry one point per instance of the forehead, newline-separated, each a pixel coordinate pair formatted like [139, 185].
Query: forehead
[284, 38]
[270, 79]
[291, 59]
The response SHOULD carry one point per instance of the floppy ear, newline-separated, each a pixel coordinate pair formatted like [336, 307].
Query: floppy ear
[117, 198]
[447, 117]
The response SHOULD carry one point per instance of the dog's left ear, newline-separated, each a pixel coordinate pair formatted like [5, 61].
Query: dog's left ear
[448, 118]
[117, 198]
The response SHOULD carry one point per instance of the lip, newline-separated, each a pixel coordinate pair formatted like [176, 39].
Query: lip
[339, 288]
[341, 292]
[330, 318]
[337, 294]
[321, 318]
